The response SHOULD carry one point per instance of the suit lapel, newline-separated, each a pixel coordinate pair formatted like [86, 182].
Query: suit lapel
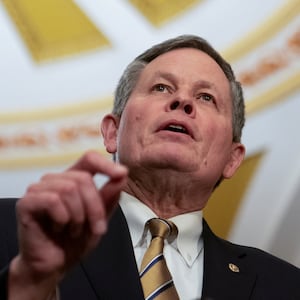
[111, 268]
[226, 274]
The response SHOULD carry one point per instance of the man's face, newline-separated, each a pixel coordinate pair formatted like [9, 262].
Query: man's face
[179, 116]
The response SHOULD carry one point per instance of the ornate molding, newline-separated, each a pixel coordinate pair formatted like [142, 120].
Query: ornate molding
[264, 31]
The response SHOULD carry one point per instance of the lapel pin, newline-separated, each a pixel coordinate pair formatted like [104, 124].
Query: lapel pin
[234, 268]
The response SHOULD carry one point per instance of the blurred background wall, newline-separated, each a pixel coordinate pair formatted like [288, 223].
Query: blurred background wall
[60, 61]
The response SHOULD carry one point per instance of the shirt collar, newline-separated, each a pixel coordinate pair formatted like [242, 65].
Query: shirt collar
[189, 241]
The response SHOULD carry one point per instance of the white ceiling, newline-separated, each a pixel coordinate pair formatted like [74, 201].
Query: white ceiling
[272, 200]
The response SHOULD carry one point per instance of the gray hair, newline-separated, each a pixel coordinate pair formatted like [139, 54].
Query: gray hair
[131, 75]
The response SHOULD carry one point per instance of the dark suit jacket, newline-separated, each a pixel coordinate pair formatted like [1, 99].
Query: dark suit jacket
[110, 271]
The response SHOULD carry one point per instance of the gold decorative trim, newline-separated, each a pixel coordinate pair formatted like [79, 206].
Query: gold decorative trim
[274, 95]
[43, 160]
[54, 28]
[63, 111]
[267, 29]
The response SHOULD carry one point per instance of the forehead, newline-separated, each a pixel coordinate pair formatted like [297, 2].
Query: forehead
[190, 62]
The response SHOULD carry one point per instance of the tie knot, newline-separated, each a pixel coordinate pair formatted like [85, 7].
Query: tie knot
[162, 228]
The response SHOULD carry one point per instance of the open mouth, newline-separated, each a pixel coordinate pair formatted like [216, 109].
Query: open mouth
[176, 128]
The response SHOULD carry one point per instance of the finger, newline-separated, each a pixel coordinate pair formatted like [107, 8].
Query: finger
[92, 162]
[88, 204]
[93, 205]
[35, 206]
[67, 190]
[110, 193]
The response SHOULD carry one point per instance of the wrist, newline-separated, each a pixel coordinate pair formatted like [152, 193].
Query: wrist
[23, 283]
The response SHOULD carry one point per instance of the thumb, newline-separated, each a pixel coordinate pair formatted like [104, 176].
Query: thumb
[110, 193]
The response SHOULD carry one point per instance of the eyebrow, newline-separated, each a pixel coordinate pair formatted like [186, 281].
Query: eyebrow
[165, 75]
[206, 84]
[200, 83]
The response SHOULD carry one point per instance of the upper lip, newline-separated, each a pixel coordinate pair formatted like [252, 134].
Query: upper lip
[186, 126]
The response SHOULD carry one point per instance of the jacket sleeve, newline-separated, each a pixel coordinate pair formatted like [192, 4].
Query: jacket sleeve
[8, 241]
[3, 283]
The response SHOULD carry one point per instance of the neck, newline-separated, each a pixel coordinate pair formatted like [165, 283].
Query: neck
[166, 192]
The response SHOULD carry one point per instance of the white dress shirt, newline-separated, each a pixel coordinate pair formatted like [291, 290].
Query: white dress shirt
[184, 256]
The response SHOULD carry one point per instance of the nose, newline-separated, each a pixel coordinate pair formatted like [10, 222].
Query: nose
[185, 105]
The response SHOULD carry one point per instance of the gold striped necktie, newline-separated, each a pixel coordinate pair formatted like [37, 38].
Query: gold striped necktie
[155, 277]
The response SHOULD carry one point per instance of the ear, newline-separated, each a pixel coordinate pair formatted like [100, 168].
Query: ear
[236, 158]
[109, 130]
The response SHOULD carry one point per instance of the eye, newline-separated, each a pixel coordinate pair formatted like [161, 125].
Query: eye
[206, 97]
[160, 88]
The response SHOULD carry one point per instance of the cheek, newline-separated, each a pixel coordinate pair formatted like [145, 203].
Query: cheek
[218, 150]
[129, 129]
[220, 137]
[134, 112]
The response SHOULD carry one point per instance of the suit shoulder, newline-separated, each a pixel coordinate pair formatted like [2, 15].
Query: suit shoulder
[272, 272]
[7, 211]
[263, 259]
[267, 266]
[8, 231]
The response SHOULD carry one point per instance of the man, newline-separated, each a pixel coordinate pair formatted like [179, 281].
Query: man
[176, 125]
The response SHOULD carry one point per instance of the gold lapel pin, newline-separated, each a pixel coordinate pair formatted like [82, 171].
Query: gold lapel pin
[234, 268]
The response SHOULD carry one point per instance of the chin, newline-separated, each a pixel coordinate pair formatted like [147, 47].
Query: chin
[176, 162]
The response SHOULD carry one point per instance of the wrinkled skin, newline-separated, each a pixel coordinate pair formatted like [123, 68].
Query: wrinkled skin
[60, 219]
[63, 216]
[186, 88]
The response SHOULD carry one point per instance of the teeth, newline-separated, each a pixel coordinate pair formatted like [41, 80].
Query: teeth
[178, 128]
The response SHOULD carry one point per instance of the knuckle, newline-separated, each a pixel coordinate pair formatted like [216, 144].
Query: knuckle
[82, 178]
[32, 188]
[91, 157]
[85, 178]
[69, 187]
[96, 211]
[53, 200]
[20, 204]
[79, 219]
[47, 176]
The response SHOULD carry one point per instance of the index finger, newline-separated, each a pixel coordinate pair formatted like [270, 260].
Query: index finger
[93, 163]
